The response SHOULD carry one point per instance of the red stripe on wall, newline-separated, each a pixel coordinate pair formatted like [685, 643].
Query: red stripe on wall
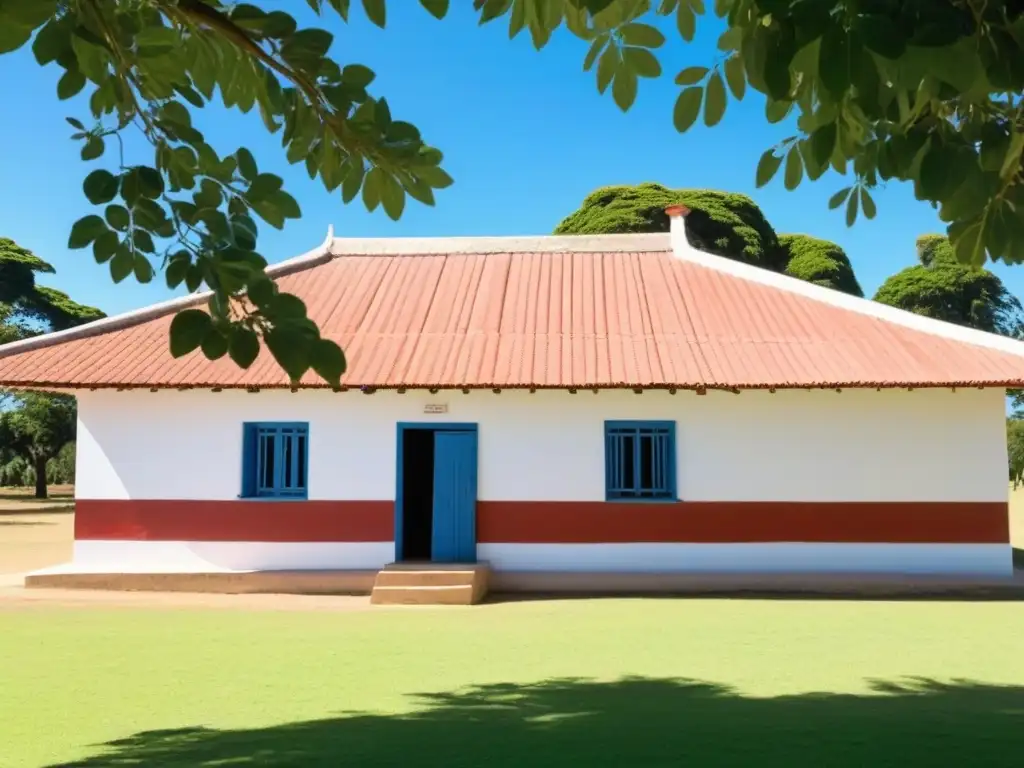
[242, 520]
[554, 522]
[595, 522]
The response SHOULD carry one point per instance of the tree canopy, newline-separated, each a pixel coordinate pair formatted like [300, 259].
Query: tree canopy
[923, 91]
[723, 223]
[941, 287]
[23, 303]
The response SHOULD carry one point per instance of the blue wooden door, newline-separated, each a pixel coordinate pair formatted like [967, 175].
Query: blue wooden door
[454, 532]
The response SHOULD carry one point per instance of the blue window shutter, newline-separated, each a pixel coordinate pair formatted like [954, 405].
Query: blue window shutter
[640, 460]
[275, 460]
[249, 459]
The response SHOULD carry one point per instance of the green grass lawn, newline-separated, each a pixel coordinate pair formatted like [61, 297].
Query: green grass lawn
[570, 683]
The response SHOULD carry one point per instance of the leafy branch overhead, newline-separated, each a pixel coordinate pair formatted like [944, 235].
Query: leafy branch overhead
[926, 91]
[191, 212]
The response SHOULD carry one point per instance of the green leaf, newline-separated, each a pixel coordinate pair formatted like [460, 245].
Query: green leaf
[851, 210]
[736, 76]
[691, 75]
[117, 217]
[143, 269]
[1011, 163]
[246, 164]
[392, 196]
[839, 198]
[642, 34]
[714, 102]
[75, 123]
[261, 291]
[143, 240]
[767, 167]
[243, 347]
[85, 230]
[353, 181]
[969, 244]
[775, 111]
[624, 88]
[214, 345]
[151, 183]
[122, 264]
[177, 269]
[372, 188]
[357, 75]
[436, 8]
[244, 231]
[13, 36]
[93, 148]
[687, 108]
[100, 186]
[286, 204]
[595, 48]
[193, 278]
[188, 329]
[376, 12]
[823, 143]
[435, 177]
[794, 172]
[104, 247]
[70, 83]
[52, 42]
[328, 360]
[290, 349]
[641, 61]
[686, 21]
[834, 60]
[607, 66]
[867, 204]
[263, 186]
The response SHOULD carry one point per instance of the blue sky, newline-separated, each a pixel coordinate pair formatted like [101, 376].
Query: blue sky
[526, 137]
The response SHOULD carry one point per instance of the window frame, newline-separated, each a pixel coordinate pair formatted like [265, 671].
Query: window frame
[670, 492]
[251, 433]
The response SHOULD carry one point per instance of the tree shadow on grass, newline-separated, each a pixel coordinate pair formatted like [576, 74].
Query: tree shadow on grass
[631, 722]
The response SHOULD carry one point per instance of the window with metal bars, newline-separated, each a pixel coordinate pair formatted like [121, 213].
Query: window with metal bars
[275, 460]
[640, 460]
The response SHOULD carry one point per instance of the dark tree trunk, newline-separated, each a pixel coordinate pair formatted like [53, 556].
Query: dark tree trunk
[40, 462]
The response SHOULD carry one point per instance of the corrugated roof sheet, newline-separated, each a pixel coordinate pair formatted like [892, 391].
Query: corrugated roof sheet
[545, 318]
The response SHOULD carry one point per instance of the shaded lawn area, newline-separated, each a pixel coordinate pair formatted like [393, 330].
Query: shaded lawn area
[562, 683]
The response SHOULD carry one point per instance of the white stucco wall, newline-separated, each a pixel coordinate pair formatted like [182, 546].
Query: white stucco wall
[857, 445]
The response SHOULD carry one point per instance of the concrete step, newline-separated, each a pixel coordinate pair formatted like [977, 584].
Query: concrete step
[463, 594]
[425, 578]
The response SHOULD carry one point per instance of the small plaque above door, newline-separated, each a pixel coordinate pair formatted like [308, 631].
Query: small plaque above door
[435, 408]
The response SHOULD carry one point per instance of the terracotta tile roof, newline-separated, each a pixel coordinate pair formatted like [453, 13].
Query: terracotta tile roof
[620, 311]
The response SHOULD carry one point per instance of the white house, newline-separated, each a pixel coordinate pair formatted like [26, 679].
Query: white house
[568, 410]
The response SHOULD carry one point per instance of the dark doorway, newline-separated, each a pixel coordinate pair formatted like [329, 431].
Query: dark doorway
[417, 494]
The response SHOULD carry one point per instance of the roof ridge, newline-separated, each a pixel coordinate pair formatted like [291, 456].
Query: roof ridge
[447, 246]
[845, 301]
[313, 258]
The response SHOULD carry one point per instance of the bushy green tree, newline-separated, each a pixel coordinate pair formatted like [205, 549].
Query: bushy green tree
[36, 429]
[939, 286]
[24, 304]
[925, 91]
[722, 223]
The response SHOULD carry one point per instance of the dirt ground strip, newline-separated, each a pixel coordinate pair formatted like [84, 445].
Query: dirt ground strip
[16, 597]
